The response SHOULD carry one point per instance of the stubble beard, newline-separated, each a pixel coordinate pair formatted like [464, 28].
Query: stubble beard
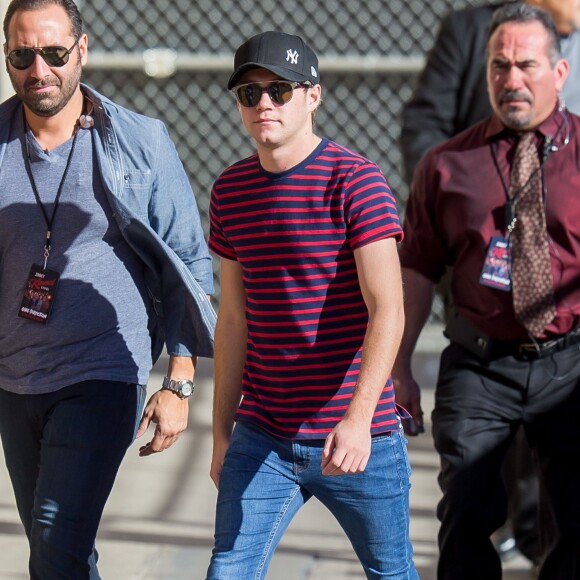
[48, 105]
[513, 116]
[515, 119]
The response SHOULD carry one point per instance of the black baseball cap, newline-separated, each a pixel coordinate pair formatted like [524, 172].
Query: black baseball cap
[285, 55]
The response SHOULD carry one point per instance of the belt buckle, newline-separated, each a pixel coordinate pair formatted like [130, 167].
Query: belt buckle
[529, 350]
[525, 347]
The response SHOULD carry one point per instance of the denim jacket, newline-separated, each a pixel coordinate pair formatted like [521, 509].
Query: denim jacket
[156, 211]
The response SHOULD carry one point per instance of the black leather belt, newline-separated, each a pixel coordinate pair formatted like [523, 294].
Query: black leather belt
[534, 350]
[462, 332]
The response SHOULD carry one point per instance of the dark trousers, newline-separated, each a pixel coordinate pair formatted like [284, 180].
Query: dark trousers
[520, 475]
[479, 406]
[62, 451]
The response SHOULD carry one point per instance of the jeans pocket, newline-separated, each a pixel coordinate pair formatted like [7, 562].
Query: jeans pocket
[402, 457]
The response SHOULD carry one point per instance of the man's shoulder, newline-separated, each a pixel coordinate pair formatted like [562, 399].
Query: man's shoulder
[239, 169]
[572, 118]
[469, 26]
[344, 155]
[475, 15]
[571, 127]
[116, 111]
[8, 107]
[466, 140]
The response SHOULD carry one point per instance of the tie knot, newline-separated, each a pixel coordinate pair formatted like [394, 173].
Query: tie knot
[526, 149]
[525, 138]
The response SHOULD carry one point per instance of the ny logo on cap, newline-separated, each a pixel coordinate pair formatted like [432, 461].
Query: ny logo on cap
[292, 56]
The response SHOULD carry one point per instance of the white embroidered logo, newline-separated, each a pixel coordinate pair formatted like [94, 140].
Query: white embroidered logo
[292, 56]
[313, 72]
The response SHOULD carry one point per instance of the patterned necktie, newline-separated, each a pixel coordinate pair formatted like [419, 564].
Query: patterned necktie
[532, 288]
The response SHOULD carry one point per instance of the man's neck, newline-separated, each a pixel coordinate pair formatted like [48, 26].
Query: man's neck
[278, 159]
[50, 132]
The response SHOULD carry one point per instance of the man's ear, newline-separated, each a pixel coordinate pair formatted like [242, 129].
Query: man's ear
[83, 49]
[561, 71]
[315, 96]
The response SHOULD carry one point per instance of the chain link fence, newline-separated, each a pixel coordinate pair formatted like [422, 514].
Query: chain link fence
[370, 52]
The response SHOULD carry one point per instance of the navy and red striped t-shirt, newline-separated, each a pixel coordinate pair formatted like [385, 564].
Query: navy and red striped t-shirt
[293, 233]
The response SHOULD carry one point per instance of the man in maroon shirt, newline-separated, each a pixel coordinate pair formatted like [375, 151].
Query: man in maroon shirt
[496, 375]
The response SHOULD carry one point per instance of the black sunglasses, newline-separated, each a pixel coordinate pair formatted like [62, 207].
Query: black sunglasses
[22, 58]
[280, 92]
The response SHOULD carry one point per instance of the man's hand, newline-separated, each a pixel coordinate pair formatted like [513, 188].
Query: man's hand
[169, 412]
[408, 395]
[347, 448]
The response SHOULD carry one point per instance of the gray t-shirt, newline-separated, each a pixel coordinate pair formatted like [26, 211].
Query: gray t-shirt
[97, 328]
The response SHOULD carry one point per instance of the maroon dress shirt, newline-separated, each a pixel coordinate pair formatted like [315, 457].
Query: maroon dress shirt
[456, 205]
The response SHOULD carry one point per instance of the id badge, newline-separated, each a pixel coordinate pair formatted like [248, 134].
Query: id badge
[496, 268]
[38, 294]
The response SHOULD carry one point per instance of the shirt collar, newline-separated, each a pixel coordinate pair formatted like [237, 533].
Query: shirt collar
[549, 127]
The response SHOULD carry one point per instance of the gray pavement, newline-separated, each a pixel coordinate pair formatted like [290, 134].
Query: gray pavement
[158, 523]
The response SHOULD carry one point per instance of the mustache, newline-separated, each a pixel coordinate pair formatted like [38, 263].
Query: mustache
[514, 96]
[45, 82]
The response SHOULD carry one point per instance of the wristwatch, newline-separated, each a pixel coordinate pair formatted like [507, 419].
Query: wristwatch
[181, 387]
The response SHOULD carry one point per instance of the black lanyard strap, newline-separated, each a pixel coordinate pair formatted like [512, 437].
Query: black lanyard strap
[48, 220]
[511, 201]
[510, 206]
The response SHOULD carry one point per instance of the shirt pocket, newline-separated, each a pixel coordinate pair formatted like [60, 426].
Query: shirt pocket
[137, 178]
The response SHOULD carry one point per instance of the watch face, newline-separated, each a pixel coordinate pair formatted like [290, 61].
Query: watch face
[186, 389]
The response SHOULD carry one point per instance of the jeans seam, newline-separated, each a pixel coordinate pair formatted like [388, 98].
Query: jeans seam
[275, 527]
[401, 460]
[403, 457]
[405, 452]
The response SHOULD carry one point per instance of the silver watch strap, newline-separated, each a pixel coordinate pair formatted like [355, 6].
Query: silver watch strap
[176, 385]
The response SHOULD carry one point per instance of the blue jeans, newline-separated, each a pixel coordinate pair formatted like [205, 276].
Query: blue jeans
[63, 451]
[265, 480]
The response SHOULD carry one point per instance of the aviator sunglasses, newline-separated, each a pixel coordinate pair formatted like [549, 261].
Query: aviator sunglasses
[22, 58]
[280, 92]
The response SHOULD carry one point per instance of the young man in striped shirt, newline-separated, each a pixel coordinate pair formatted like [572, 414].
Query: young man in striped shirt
[309, 323]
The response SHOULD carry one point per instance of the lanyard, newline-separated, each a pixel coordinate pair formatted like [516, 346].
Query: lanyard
[48, 221]
[510, 206]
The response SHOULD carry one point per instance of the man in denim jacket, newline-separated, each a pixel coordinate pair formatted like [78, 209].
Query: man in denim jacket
[102, 262]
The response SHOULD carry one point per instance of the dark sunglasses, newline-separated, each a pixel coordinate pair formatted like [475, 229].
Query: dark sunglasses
[280, 92]
[22, 58]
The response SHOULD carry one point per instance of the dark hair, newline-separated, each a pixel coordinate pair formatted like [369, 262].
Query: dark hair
[26, 5]
[520, 12]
